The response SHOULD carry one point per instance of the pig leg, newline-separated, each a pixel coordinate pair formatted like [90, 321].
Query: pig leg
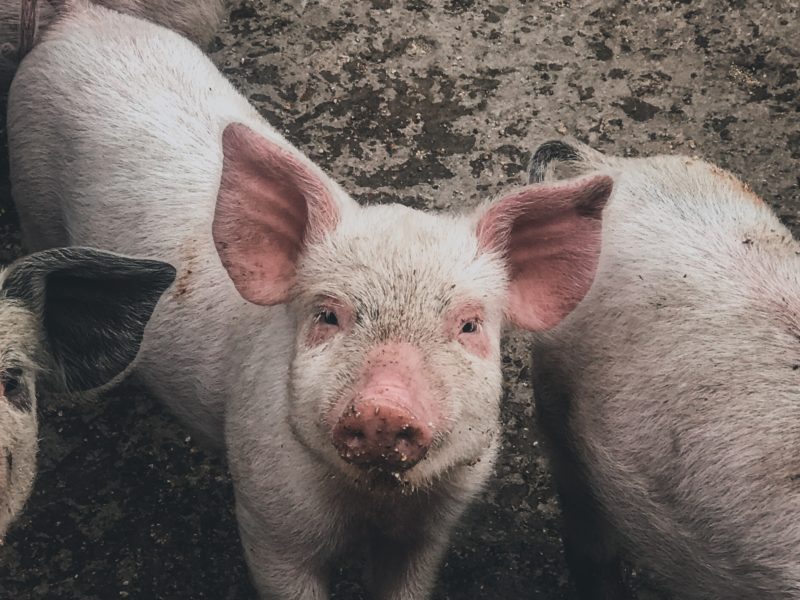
[404, 561]
[589, 546]
[280, 572]
[406, 570]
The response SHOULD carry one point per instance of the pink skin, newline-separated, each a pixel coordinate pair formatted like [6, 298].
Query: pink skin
[548, 231]
[391, 417]
[270, 204]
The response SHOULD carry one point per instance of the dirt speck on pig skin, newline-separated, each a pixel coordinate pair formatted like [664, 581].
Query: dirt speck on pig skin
[431, 104]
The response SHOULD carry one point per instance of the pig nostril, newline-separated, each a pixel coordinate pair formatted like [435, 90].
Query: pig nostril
[353, 437]
[407, 433]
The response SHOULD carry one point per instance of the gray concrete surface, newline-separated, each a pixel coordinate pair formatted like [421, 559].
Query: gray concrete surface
[431, 103]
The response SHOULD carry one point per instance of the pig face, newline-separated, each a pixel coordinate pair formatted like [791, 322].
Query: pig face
[72, 319]
[396, 365]
[18, 426]
[398, 313]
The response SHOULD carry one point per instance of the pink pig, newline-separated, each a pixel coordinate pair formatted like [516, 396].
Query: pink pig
[347, 358]
[670, 396]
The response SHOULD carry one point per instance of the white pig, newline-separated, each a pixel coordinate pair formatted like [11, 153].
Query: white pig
[346, 357]
[74, 319]
[671, 395]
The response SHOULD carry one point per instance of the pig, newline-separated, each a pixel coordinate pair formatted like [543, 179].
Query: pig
[71, 319]
[345, 358]
[670, 397]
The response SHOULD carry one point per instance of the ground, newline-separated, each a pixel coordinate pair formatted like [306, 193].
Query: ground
[433, 104]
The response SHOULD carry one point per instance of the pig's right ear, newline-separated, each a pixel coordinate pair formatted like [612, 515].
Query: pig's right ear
[271, 203]
[549, 235]
[93, 307]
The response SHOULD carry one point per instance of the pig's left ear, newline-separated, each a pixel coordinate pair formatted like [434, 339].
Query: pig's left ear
[549, 234]
[271, 203]
[93, 307]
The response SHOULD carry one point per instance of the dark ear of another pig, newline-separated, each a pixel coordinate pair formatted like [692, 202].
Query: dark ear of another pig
[93, 307]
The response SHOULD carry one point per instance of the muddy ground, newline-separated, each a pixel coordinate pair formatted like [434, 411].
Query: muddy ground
[433, 104]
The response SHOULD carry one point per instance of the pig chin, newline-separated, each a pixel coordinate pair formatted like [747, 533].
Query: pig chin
[388, 479]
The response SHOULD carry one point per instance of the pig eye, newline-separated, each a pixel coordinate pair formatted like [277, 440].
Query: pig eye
[328, 317]
[10, 381]
[470, 326]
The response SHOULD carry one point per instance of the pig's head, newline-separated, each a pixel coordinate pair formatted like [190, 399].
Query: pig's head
[399, 312]
[70, 319]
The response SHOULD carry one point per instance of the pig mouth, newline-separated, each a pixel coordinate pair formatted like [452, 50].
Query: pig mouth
[396, 461]
[386, 482]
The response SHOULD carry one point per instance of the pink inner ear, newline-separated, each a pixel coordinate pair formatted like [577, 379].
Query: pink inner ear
[551, 236]
[270, 203]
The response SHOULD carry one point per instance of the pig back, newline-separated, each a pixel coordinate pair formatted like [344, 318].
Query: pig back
[674, 384]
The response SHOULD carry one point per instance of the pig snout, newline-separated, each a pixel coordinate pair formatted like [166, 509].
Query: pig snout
[377, 432]
[389, 421]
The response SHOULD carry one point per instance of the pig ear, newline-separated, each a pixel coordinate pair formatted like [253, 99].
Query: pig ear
[271, 203]
[550, 237]
[93, 307]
